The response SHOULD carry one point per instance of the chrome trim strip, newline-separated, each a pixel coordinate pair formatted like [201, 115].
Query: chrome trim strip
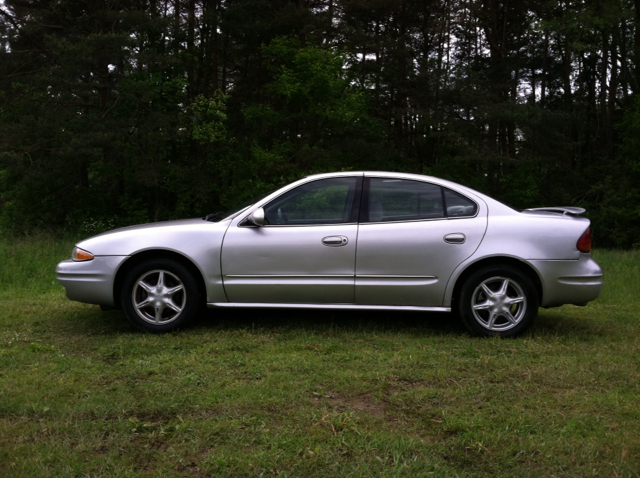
[373, 276]
[327, 306]
[266, 276]
[361, 276]
[450, 218]
[409, 220]
[312, 225]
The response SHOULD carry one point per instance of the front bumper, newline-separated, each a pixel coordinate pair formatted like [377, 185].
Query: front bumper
[91, 281]
[569, 282]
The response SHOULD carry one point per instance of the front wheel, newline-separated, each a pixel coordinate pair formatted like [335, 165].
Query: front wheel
[159, 295]
[498, 301]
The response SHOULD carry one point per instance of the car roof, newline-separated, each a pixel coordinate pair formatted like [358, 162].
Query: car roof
[398, 175]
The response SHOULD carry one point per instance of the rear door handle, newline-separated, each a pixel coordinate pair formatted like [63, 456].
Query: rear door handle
[455, 238]
[335, 241]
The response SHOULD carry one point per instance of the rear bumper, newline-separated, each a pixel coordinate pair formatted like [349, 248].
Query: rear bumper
[90, 282]
[569, 282]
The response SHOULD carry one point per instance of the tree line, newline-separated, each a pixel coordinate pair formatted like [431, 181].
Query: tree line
[122, 111]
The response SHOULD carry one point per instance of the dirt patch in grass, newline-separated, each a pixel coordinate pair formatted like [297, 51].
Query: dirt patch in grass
[364, 402]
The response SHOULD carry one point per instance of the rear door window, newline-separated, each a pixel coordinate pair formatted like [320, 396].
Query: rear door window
[403, 200]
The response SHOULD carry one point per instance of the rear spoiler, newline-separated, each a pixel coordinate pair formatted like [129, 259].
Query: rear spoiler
[567, 211]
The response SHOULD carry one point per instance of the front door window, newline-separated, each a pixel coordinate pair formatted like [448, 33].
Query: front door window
[328, 201]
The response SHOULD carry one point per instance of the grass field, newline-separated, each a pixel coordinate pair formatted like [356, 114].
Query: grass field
[310, 394]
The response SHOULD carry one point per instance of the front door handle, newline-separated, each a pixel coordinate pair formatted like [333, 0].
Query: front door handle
[335, 241]
[455, 238]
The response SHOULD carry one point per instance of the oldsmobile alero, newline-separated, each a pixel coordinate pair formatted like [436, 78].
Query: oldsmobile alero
[349, 240]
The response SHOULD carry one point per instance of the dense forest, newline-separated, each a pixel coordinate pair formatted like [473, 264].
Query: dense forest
[114, 112]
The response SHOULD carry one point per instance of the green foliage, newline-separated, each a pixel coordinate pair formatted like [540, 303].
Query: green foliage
[210, 116]
[629, 130]
[113, 113]
[306, 113]
[307, 117]
[617, 194]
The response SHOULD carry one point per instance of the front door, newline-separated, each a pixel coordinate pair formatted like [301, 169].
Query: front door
[305, 252]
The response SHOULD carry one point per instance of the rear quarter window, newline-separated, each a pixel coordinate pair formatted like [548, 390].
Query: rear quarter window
[458, 205]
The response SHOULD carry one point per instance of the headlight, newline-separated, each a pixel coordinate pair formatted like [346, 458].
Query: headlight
[80, 254]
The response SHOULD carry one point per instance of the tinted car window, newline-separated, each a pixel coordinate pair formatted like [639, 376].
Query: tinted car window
[327, 201]
[458, 205]
[402, 200]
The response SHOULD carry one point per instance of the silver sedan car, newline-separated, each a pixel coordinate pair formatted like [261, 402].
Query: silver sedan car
[349, 240]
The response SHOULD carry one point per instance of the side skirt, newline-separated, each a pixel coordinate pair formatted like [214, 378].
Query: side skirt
[212, 305]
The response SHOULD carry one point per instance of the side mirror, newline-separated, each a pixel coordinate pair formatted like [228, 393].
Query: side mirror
[257, 217]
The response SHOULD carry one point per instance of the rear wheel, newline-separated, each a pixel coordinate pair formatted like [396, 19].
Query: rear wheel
[498, 301]
[159, 295]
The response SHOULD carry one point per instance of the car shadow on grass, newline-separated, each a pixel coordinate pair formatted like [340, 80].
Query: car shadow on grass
[557, 323]
[567, 321]
[323, 321]
[90, 320]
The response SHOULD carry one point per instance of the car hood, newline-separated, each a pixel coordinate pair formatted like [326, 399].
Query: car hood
[178, 235]
[150, 225]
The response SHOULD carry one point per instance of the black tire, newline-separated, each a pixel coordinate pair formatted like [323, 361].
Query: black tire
[160, 295]
[498, 301]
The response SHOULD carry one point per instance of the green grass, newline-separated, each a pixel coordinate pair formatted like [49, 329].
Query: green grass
[313, 393]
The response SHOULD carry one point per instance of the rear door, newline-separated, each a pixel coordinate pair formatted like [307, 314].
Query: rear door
[412, 236]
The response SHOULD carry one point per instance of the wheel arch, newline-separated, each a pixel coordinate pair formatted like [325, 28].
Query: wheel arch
[150, 254]
[518, 264]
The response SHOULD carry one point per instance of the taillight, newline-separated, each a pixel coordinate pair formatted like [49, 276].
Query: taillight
[584, 243]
